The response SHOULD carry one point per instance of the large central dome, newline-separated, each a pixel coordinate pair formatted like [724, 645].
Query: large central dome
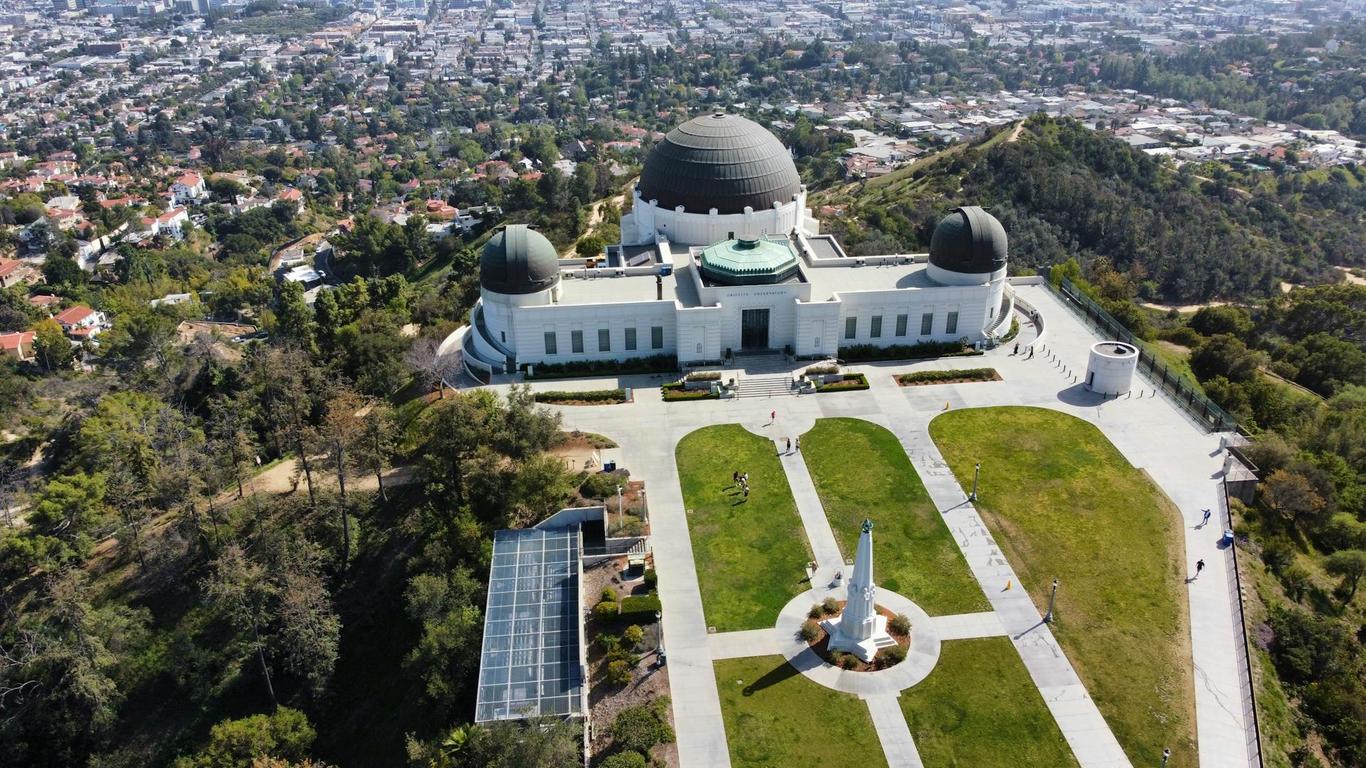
[719, 161]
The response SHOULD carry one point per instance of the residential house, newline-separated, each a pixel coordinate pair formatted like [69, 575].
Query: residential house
[81, 322]
[188, 188]
[15, 272]
[18, 345]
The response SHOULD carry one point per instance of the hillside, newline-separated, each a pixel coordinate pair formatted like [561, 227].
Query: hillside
[1065, 191]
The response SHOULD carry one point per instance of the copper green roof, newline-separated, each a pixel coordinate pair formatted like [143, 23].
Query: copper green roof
[719, 161]
[749, 262]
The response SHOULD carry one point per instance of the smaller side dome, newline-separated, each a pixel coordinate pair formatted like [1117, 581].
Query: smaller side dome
[518, 260]
[969, 241]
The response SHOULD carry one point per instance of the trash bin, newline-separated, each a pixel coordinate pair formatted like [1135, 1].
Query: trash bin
[610, 466]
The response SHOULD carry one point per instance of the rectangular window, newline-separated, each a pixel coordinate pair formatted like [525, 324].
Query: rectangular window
[576, 342]
[876, 330]
[952, 325]
[901, 325]
[604, 340]
[656, 337]
[630, 338]
[551, 347]
[850, 327]
[927, 324]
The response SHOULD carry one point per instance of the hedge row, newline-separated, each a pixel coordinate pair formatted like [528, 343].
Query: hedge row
[583, 368]
[587, 396]
[639, 608]
[862, 352]
[951, 375]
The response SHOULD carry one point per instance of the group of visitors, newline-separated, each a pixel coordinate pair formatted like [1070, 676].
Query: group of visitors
[741, 480]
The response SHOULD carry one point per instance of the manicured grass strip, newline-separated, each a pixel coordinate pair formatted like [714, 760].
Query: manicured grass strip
[1063, 502]
[750, 555]
[776, 717]
[861, 470]
[980, 709]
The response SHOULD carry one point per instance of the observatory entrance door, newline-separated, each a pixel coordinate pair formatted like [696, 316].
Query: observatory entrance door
[753, 329]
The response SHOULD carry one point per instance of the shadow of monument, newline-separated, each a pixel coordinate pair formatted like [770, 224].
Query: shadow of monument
[774, 676]
[1078, 394]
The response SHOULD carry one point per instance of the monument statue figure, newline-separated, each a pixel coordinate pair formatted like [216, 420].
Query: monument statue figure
[860, 630]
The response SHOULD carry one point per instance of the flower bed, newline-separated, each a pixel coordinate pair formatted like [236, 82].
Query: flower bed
[951, 376]
[679, 390]
[586, 397]
[851, 382]
[819, 640]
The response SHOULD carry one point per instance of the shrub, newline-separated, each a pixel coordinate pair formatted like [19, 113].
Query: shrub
[640, 609]
[587, 396]
[618, 672]
[602, 485]
[891, 656]
[607, 610]
[1183, 335]
[822, 370]
[810, 630]
[847, 660]
[641, 727]
[650, 579]
[609, 594]
[1014, 331]
[900, 624]
[625, 760]
[609, 642]
[816, 611]
[830, 606]
[633, 635]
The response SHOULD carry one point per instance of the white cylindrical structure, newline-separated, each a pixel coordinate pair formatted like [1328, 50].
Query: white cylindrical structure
[1111, 367]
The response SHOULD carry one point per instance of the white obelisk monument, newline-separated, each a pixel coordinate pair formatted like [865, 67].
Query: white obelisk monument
[860, 630]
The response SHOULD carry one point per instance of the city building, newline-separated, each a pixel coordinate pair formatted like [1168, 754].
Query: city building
[720, 256]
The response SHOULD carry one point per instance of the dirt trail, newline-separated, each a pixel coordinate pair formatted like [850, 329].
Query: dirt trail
[595, 218]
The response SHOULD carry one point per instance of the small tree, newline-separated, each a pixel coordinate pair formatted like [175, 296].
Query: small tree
[51, 346]
[633, 635]
[1292, 496]
[1350, 564]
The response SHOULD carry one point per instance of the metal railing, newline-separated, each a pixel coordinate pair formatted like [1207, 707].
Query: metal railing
[1190, 399]
[1249, 685]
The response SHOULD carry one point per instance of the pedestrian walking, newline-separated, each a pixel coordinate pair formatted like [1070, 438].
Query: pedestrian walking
[1017, 349]
[799, 443]
[1199, 566]
[1031, 354]
[746, 492]
[789, 446]
[1205, 521]
[735, 477]
[772, 416]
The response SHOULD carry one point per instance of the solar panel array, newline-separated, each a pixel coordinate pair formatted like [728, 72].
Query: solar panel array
[532, 660]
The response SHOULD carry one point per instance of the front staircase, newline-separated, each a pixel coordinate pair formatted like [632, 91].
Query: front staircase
[770, 385]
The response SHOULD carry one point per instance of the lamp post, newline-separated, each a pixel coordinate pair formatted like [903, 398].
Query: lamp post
[976, 472]
[644, 508]
[659, 627]
[621, 513]
[1166, 755]
[1048, 617]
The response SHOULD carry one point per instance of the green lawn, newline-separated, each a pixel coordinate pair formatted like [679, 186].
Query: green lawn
[750, 555]
[980, 709]
[1063, 502]
[776, 717]
[861, 470]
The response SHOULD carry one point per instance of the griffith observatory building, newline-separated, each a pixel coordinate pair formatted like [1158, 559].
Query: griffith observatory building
[719, 255]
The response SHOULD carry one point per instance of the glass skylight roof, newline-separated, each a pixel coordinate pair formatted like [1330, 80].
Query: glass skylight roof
[532, 661]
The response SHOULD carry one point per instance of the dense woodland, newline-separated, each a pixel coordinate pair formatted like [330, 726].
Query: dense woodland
[1064, 191]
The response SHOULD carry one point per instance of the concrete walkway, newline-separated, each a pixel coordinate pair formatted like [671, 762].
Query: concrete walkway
[890, 723]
